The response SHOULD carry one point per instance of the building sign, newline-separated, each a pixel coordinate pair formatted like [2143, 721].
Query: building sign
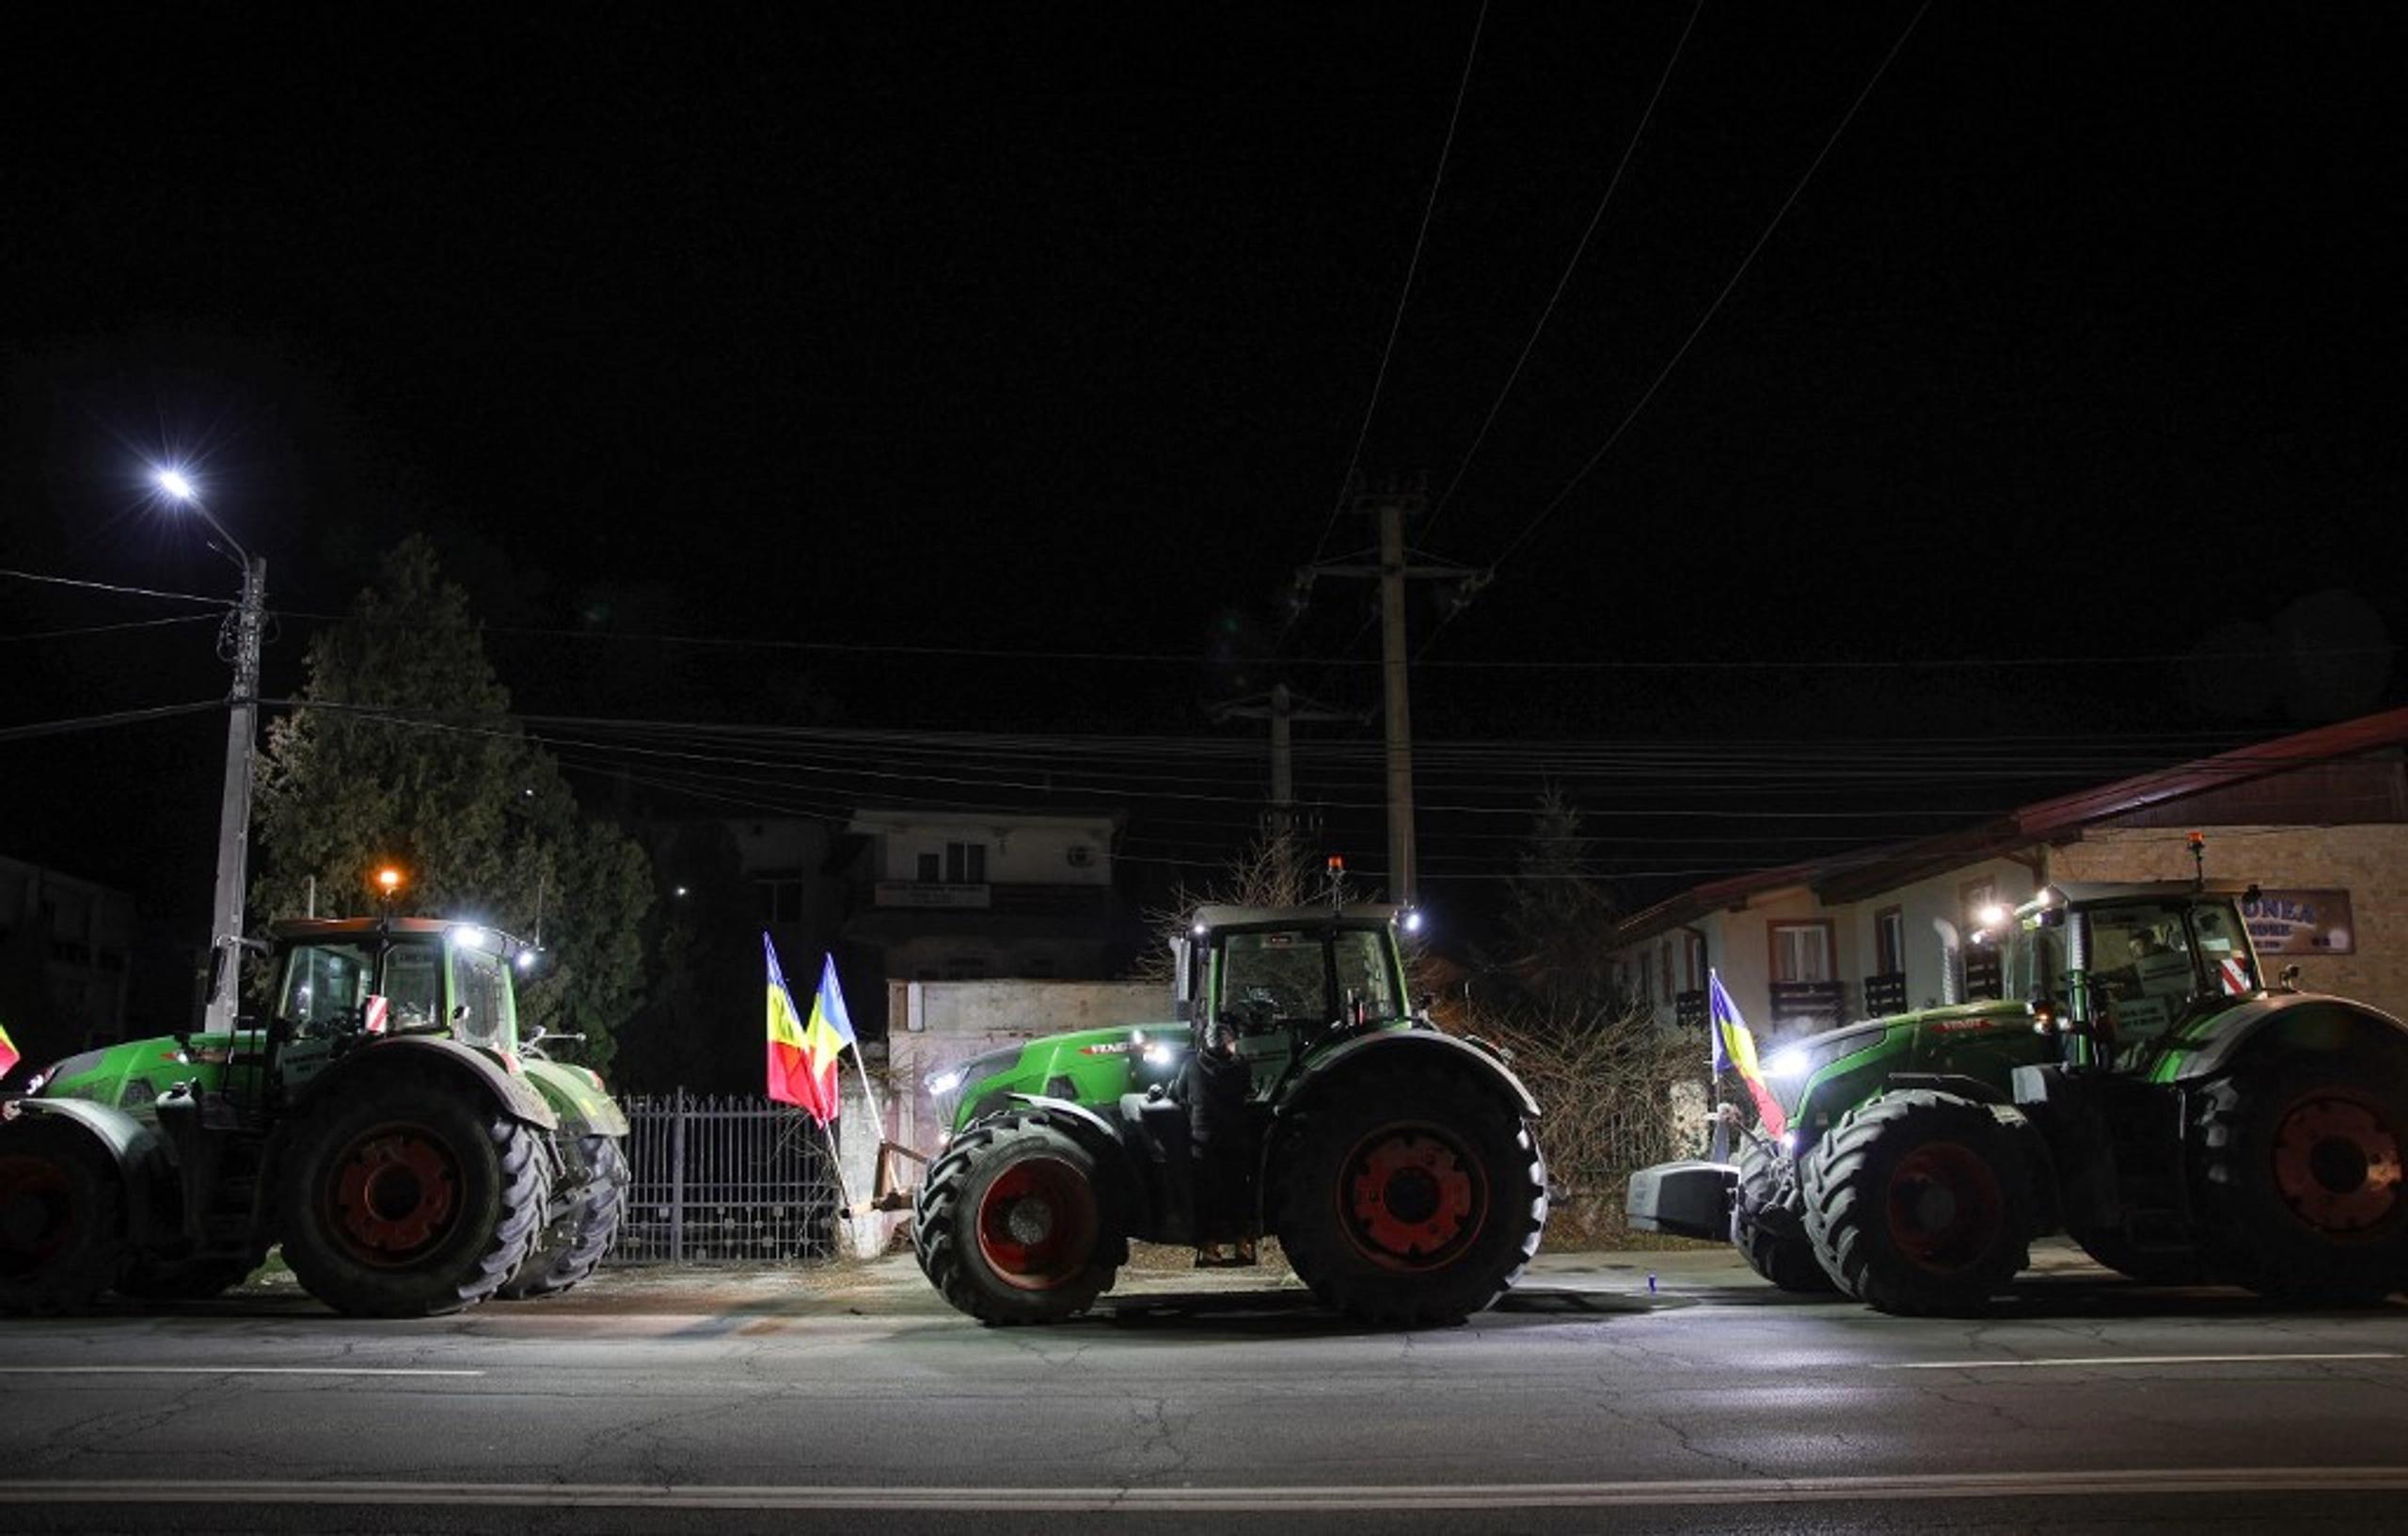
[2300, 923]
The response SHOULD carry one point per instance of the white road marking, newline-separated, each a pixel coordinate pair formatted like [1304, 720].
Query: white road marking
[2086, 1362]
[2049, 1484]
[222, 1370]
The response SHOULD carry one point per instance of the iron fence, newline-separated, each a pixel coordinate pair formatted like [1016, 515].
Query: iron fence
[720, 1181]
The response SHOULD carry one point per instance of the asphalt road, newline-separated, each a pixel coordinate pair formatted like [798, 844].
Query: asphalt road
[1622, 1392]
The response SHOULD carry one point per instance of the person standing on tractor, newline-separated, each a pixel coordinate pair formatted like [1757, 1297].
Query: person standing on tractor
[1214, 1085]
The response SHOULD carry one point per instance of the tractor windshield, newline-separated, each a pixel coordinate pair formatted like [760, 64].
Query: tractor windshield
[2152, 960]
[482, 1012]
[1288, 975]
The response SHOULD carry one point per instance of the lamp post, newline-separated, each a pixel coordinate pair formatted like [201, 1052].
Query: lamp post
[242, 726]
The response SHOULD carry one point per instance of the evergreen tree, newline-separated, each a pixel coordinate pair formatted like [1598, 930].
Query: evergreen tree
[1560, 920]
[404, 753]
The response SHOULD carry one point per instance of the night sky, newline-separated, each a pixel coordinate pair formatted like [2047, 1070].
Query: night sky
[1839, 399]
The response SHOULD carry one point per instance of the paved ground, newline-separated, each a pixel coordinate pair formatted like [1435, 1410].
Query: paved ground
[892, 1283]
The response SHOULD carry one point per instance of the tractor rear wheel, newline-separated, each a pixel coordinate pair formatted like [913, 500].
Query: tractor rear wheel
[1408, 1198]
[1012, 1224]
[1768, 1223]
[62, 1217]
[411, 1196]
[2303, 1166]
[584, 1222]
[1918, 1203]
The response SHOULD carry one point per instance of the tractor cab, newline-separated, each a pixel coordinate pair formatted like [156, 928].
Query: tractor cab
[2118, 968]
[340, 983]
[1286, 981]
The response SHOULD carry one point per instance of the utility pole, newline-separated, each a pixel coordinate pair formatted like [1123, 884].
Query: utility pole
[1281, 710]
[242, 638]
[1392, 569]
[234, 806]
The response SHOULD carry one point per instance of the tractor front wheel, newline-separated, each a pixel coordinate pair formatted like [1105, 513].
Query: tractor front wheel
[1768, 1223]
[1918, 1204]
[1012, 1224]
[62, 1218]
[580, 1224]
[1410, 1198]
[410, 1197]
[2303, 1163]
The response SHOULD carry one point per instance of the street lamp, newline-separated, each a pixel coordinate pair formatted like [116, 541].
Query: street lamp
[242, 726]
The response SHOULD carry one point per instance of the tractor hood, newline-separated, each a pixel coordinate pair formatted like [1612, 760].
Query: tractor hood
[1816, 1077]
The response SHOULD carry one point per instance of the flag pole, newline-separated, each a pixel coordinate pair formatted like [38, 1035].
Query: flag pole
[877, 1114]
[832, 995]
[1720, 1149]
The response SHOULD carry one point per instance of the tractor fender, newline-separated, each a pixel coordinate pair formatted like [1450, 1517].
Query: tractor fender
[2287, 1024]
[505, 1083]
[139, 1153]
[1476, 1061]
[1098, 1134]
[1953, 1083]
[577, 1095]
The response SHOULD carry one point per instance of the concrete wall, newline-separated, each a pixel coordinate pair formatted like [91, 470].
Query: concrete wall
[1020, 1009]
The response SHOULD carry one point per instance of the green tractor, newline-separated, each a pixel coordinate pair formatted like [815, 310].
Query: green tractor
[1397, 1166]
[387, 1126]
[2138, 1087]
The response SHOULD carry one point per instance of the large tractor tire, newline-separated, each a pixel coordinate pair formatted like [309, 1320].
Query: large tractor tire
[411, 1196]
[2302, 1162]
[62, 1218]
[1013, 1225]
[1768, 1223]
[1919, 1203]
[581, 1223]
[1409, 1199]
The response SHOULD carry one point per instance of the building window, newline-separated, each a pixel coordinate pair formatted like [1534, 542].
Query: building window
[1890, 941]
[931, 870]
[1692, 962]
[777, 898]
[1801, 951]
[966, 864]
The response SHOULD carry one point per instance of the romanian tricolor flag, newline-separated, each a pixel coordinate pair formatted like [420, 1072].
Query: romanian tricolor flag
[1735, 1046]
[803, 1057]
[7, 1053]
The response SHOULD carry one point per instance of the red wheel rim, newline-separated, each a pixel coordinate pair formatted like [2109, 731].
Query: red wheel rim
[1036, 1223]
[2337, 1163]
[396, 1194]
[1945, 1207]
[1411, 1199]
[39, 1215]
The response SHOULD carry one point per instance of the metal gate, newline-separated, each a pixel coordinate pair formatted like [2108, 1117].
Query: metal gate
[725, 1180]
